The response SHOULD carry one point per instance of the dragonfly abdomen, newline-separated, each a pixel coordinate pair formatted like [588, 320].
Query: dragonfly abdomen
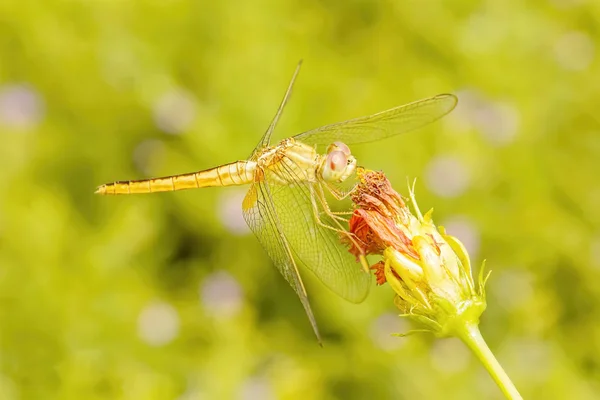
[236, 173]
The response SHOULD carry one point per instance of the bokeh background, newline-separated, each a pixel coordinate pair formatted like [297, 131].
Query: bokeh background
[171, 297]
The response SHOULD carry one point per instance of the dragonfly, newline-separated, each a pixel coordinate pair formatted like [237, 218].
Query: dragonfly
[286, 206]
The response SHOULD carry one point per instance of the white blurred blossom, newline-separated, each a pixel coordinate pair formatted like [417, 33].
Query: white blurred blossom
[256, 388]
[230, 211]
[21, 107]
[158, 323]
[221, 295]
[574, 51]
[447, 176]
[497, 121]
[466, 231]
[175, 111]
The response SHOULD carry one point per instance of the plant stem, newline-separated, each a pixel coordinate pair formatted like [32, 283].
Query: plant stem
[471, 336]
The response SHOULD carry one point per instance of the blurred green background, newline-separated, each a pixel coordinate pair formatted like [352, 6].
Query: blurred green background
[170, 297]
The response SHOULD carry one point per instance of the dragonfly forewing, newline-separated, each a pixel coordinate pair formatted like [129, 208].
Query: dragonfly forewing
[384, 124]
[266, 138]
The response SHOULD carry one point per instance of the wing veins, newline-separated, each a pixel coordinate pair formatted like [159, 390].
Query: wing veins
[266, 138]
[391, 122]
[329, 246]
[285, 257]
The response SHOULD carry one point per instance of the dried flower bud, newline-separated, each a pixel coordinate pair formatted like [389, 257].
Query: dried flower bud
[429, 270]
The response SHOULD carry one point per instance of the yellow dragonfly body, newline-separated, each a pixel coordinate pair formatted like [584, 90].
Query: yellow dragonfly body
[286, 205]
[302, 163]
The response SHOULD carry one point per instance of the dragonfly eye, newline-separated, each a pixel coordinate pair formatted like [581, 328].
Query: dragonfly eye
[335, 166]
[339, 146]
[337, 161]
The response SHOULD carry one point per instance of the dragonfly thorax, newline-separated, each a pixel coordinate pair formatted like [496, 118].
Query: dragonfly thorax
[290, 161]
[287, 162]
[338, 164]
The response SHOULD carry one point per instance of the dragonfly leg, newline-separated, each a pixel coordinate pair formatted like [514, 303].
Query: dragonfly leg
[335, 218]
[339, 194]
[340, 229]
[327, 211]
[337, 213]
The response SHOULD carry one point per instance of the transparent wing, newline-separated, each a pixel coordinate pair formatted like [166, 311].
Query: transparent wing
[384, 124]
[317, 247]
[261, 216]
[266, 138]
[313, 245]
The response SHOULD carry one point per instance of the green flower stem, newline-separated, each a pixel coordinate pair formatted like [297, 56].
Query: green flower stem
[471, 336]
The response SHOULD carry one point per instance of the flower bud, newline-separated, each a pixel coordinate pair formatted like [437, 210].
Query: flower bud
[429, 271]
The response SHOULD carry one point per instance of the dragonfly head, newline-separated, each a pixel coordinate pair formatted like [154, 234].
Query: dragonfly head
[339, 163]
